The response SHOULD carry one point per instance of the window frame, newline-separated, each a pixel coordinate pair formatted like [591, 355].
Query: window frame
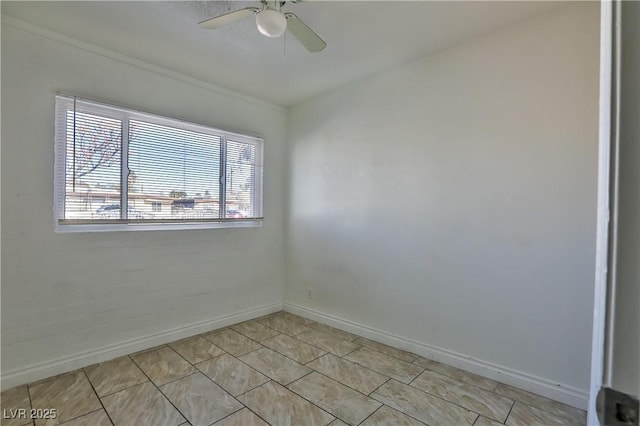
[65, 103]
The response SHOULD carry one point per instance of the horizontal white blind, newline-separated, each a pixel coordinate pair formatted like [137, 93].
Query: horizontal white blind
[173, 171]
[93, 158]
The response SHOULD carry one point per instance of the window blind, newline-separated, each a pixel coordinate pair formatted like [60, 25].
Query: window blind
[164, 170]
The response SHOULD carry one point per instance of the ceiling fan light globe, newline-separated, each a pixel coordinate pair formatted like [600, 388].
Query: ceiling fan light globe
[271, 23]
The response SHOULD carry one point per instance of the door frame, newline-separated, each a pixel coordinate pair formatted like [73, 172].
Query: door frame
[606, 188]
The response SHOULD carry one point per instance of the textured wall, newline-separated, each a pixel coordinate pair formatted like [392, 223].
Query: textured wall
[63, 294]
[452, 201]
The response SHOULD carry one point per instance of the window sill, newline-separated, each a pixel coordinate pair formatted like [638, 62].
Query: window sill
[178, 226]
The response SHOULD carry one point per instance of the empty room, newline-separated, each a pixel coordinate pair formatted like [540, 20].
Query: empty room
[306, 213]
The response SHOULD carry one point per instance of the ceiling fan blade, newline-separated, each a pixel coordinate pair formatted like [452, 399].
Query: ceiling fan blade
[304, 34]
[228, 18]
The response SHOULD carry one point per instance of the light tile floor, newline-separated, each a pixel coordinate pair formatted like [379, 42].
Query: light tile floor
[280, 369]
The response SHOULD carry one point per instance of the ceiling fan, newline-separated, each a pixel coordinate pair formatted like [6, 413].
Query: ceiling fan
[271, 22]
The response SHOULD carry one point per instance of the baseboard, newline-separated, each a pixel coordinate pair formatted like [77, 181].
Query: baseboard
[61, 365]
[556, 391]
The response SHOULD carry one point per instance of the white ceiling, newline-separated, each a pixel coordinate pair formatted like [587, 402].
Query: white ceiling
[363, 37]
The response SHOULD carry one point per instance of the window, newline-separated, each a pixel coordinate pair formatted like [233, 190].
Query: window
[169, 174]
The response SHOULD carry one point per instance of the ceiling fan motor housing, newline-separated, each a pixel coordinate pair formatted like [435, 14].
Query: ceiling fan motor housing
[271, 23]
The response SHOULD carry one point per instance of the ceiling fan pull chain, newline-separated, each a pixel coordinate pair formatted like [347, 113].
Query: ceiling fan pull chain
[284, 46]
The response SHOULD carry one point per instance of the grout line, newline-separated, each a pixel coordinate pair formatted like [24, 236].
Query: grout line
[465, 372]
[324, 349]
[180, 378]
[256, 387]
[312, 370]
[299, 378]
[347, 386]
[246, 337]
[97, 396]
[374, 411]
[123, 389]
[33, 421]
[163, 395]
[293, 359]
[247, 407]
[510, 410]
[538, 407]
[248, 390]
[402, 412]
[86, 414]
[223, 390]
[381, 385]
[415, 378]
[228, 415]
[454, 403]
[257, 340]
[364, 366]
[309, 401]
[387, 355]
[279, 353]
[349, 353]
[288, 384]
[258, 416]
[338, 382]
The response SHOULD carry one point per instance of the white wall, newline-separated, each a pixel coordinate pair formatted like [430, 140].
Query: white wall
[452, 202]
[65, 294]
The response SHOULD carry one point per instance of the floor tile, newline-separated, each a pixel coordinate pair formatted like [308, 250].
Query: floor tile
[478, 400]
[196, 349]
[524, 415]
[554, 407]
[422, 406]
[278, 367]
[163, 365]
[335, 332]
[232, 341]
[232, 375]
[279, 406]
[141, 405]
[456, 373]
[96, 418]
[57, 376]
[349, 373]
[386, 349]
[384, 364]
[15, 399]
[284, 325]
[483, 421]
[200, 400]
[115, 375]
[347, 390]
[244, 417]
[71, 395]
[297, 318]
[335, 398]
[254, 330]
[153, 348]
[387, 416]
[293, 348]
[327, 342]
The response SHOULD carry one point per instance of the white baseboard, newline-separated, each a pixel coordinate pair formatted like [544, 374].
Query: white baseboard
[566, 394]
[64, 364]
